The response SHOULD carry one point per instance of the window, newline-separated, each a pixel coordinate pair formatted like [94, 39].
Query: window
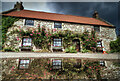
[57, 64]
[97, 28]
[24, 63]
[57, 25]
[102, 63]
[27, 41]
[57, 42]
[29, 22]
[99, 44]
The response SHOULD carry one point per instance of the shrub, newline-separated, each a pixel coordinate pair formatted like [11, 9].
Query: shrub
[115, 46]
[9, 49]
[85, 51]
[71, 49]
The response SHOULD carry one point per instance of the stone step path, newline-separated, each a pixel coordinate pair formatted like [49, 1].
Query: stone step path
[59, 55]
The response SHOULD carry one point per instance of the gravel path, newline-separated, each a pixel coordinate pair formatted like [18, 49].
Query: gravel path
[59, 55]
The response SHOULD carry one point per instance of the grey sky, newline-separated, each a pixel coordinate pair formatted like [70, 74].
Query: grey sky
[107, 10]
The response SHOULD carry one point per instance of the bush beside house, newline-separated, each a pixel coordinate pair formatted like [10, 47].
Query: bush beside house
[115, 46]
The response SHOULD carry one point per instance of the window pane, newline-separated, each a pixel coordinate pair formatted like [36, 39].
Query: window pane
[27, 41]
[57, 25]
[97, 29]
[99, 44]
[57, 64]
[24, 64]
[57, 42]
[29, 22]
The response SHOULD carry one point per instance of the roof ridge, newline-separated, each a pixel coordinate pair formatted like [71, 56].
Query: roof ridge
[56, 13]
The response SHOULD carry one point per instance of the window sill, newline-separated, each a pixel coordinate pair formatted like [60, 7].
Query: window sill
[29, 25]
[26, 47]
[57, 47]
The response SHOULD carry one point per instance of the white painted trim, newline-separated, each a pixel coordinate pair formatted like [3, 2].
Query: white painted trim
[28, 25]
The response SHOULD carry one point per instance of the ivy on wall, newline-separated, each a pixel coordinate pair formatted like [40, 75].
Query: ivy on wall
[115, 46]
[42, 38]
[7, 22]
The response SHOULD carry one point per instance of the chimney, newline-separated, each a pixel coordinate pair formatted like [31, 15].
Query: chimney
[18, 6]
[96, 15]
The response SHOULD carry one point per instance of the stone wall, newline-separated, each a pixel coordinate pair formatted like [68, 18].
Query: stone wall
[107, 34]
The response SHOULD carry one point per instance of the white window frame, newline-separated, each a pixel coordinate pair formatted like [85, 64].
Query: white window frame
[59, 23]
[25, 42]
[24, 63]
[57, 42]
[29, 25]
[57, 63]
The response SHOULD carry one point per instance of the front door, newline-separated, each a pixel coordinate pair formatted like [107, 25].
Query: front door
[76, 42]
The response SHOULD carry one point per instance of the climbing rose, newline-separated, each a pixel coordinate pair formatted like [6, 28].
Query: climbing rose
[54, 30]
[17, 39]
[31, 34]
[26, 73]
[46, 34]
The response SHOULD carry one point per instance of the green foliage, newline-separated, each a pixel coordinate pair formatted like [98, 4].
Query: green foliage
[115, 46]
[116, 64]
[89, 41]
[8, 49]
[92, 69]
[7, 22]
[71, 49]
[84, 51]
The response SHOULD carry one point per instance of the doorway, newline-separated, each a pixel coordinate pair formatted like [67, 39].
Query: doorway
[76, 42]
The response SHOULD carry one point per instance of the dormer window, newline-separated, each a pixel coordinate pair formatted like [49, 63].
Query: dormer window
[57, 25]
[96, 28]
[29, 22]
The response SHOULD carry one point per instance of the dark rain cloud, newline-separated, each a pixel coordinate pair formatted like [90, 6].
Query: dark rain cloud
[107, 10]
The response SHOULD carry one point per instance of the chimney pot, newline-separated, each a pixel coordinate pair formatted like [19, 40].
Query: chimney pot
[18, 6]
[96, 15]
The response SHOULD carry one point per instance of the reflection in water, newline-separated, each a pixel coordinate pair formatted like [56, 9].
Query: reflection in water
[60, 68]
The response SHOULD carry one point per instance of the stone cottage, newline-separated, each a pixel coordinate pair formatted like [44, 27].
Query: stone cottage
[32, 19]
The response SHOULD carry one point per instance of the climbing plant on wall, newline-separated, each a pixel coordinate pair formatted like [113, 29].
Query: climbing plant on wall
[7, 22]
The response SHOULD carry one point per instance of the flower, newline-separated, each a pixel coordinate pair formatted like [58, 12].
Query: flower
[19, 27]
[50, 34]
[54, 30]
[46, 34]
[87, 39]
[26, 73]
[31, 34]
[39, 33]
[49, 44]
[50, 68]
[17, 39]
[48, 62]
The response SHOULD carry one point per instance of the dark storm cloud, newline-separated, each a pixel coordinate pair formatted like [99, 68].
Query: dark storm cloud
[107, 10]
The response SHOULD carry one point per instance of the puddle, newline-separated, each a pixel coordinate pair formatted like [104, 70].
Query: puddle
[55, 69]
